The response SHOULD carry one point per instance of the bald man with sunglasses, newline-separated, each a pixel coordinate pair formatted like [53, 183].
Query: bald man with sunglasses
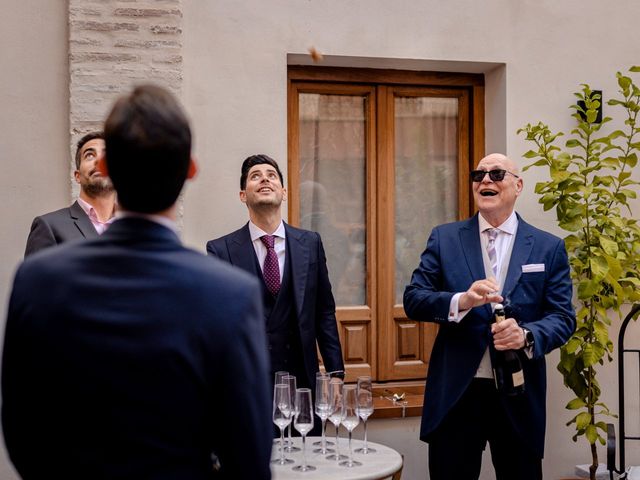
[467, 268]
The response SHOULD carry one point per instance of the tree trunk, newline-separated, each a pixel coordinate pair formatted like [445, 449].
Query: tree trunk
[594, 462]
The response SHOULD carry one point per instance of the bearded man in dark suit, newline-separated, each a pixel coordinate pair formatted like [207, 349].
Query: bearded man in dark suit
[93, 211]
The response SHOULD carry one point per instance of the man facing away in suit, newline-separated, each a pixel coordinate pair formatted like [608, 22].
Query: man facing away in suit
[130, 356]
[467, 267]
[291, 266]
[91, 214]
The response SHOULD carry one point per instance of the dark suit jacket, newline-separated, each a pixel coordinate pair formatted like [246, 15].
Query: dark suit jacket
[132, 357]
[539, 301]
[60, 226]
[314, 302]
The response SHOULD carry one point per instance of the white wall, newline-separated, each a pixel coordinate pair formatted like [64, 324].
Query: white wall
[34, 144]
[235, 61]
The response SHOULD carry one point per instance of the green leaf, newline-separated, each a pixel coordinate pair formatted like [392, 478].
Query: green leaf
[609, 246]
[582, 420]
[575, 404]
[591, 433]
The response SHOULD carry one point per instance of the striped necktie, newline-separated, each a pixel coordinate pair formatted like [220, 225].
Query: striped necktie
[492, 234]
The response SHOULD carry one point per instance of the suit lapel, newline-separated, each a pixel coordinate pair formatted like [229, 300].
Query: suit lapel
[299, 256]
[470, 240]
[522, 247]
[241, 251]
[82, 221]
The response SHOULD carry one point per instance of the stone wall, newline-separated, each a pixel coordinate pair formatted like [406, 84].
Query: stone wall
[114, 45]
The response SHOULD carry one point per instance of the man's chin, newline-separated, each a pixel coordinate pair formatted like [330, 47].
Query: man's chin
[97, 187]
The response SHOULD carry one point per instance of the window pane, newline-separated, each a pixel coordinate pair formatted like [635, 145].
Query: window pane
[332, 186]
[426, 183]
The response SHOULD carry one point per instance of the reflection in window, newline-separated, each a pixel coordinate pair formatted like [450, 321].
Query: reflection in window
[426, 183]
[332, 186]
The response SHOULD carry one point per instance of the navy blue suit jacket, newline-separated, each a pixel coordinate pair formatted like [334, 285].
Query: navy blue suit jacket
[53, 228]
[131, 357]
[539, 301]
[315, 306]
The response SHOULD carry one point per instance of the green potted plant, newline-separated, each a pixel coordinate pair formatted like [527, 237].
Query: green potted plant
[590, 187]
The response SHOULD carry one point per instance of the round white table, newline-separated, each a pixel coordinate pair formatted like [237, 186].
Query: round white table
[382, 464]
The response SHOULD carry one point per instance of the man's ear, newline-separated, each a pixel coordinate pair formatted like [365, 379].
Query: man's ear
[193, 169]
[102, 166]
[243, 196]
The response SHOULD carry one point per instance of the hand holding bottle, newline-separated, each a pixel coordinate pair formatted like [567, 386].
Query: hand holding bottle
[507, 335]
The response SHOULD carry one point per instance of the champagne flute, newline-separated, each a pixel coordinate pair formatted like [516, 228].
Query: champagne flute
[335, 412]
[291, 381]
[365, 408]
[279, 377]
[350, 419]
[322, 409]
[282, 416]
[303, 423]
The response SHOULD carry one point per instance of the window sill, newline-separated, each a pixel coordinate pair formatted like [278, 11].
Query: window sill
[385, 406]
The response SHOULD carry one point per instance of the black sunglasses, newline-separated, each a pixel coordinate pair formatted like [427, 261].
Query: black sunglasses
[495, 175]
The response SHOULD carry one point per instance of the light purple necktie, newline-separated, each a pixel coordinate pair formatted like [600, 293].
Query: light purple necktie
[271, 268]
[492, 234]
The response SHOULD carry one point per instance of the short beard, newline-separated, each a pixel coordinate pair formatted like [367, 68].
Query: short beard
[98, 188]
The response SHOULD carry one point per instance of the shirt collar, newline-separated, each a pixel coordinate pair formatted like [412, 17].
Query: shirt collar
[160, 219]
[91, 212]
[256, 232]
[510, 225]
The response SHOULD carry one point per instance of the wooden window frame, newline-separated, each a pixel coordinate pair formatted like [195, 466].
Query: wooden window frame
[381, 314]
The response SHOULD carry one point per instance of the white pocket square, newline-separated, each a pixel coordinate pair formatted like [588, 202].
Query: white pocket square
[533, 267]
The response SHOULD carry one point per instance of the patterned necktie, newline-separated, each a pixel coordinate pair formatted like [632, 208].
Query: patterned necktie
[492, 233]
[271, 268]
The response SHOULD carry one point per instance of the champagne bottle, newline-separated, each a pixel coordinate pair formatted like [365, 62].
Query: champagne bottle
[507, 367]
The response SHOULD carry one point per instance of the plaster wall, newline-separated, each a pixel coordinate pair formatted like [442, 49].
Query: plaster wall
[235, 55]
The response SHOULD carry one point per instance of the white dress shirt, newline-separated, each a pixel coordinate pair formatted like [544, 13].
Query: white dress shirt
[279, 244]
[504, 240]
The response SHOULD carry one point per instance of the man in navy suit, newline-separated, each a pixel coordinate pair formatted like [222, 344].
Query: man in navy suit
[91, 214]
[130, 356]
[493, 257]
[299, 306]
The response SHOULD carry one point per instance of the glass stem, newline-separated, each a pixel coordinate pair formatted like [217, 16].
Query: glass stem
[289, 435]
[337, 447]
[304, 453]
[324, 441]
[281, 446]
[364, 449]
[350, 451]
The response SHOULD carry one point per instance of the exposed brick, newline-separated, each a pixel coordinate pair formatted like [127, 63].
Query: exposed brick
[146, 12]
[145, 44]
[167, 59]
[165, 29]
[84, 12]
[113, 45]
[104, 26]
[103, 57]
[85, 41]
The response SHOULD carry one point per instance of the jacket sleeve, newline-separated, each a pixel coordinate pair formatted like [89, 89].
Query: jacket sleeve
[326, 324]
[423, 298]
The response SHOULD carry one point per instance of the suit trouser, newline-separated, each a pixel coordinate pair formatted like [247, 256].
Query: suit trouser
[456, 446]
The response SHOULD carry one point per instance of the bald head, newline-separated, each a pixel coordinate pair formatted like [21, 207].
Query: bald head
[500, 159]
[496, 199]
